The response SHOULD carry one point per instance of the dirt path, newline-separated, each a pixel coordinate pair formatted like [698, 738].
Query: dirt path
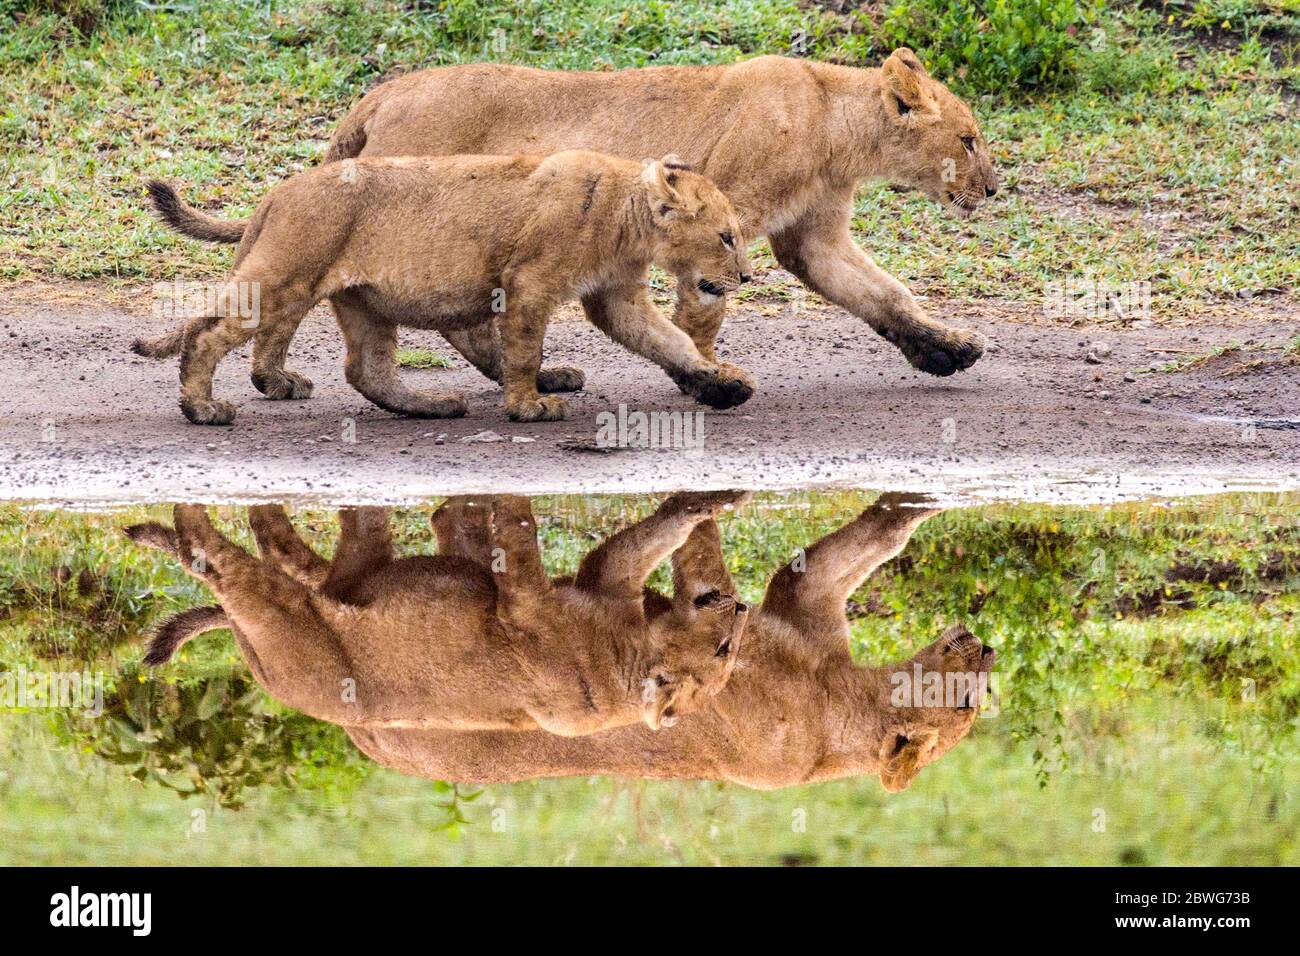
[82, 419]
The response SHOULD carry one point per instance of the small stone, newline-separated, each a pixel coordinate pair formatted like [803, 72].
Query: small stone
[487, 435]
[1130, 377]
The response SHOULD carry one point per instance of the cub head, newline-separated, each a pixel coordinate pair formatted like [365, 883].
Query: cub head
[931, 704]
[697, 229]
[930, 140]
[698, 641]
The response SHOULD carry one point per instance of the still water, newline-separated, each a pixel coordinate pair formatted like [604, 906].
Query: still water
[805, 678]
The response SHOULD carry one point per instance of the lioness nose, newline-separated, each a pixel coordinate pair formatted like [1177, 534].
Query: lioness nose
[990, 191]
[745, 277]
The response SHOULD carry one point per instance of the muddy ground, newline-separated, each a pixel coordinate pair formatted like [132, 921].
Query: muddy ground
[82, 419]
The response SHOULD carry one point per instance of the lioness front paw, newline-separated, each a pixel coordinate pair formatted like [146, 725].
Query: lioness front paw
[544, 408]
[939, 352]
[722, 386]
[208, 411]
[561, 378]
[282, 384]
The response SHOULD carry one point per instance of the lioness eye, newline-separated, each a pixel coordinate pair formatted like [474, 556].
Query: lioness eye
[728, 239]
[969, 143]
[723, 649]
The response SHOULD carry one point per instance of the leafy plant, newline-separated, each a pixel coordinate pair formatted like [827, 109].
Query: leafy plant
[992, 45]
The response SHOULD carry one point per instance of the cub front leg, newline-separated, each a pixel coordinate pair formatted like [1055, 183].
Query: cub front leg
[821, 252]
[620, 566]
[523, 330]
[626, 315]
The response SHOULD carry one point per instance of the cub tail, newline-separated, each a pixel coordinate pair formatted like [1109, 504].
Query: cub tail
[185, 219]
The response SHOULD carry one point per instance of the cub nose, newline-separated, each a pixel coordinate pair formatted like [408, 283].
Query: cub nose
[990, 191]
[745, 277]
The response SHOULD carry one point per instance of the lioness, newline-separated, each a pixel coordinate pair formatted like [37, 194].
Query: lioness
[371, 641]
[786, 139]
[796, 709]
[453, 243]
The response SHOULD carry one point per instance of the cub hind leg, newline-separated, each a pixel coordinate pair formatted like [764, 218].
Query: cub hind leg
[209, 338]
[371, 365]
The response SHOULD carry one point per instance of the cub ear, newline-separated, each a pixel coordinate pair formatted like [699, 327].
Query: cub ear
[661, 187]
[901, 755]
[903, 90]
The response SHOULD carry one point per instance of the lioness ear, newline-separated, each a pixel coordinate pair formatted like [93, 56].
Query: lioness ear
[661, 187]
[903, 90]
[900, 758]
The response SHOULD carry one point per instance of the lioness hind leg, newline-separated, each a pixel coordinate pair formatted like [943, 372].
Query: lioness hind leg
[461, 525]
[371, 365]
[482, 349]
[270, 352]
[365, 549]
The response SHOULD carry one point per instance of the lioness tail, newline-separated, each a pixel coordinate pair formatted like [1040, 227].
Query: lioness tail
[184, 218]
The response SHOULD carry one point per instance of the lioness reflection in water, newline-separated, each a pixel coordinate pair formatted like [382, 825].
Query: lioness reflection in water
[473, 666]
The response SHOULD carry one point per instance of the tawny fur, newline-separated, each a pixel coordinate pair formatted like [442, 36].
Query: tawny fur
[477, 247]
[786, 139]
[796, 708]
[374, 642]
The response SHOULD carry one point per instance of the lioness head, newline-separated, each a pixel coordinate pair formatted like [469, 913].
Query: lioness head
[698, 229]
[931, 704]
[931, 141]
[698, 642]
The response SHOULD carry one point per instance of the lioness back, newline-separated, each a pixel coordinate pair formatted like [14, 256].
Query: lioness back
[495, 108]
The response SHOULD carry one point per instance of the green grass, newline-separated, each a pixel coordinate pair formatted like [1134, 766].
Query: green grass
[421, 358]
[1163, 157]
[1128, 638]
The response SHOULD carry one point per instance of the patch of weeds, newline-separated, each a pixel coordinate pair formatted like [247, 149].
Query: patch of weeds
[422, 358]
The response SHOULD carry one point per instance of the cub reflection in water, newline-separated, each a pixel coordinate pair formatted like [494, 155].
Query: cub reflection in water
[477, 637]
[796, 709]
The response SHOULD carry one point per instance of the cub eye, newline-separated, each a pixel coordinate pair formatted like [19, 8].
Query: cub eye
[723, 649]
[728, 239]
[969, 143]
[707, 598]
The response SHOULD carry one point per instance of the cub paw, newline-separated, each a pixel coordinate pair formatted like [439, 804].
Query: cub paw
[723, 386]
[208, 411]
[283, 384]
[561, 378]
[544, 408]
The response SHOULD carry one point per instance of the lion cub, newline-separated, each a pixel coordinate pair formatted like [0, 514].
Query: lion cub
[455, 244]
[476, 638]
